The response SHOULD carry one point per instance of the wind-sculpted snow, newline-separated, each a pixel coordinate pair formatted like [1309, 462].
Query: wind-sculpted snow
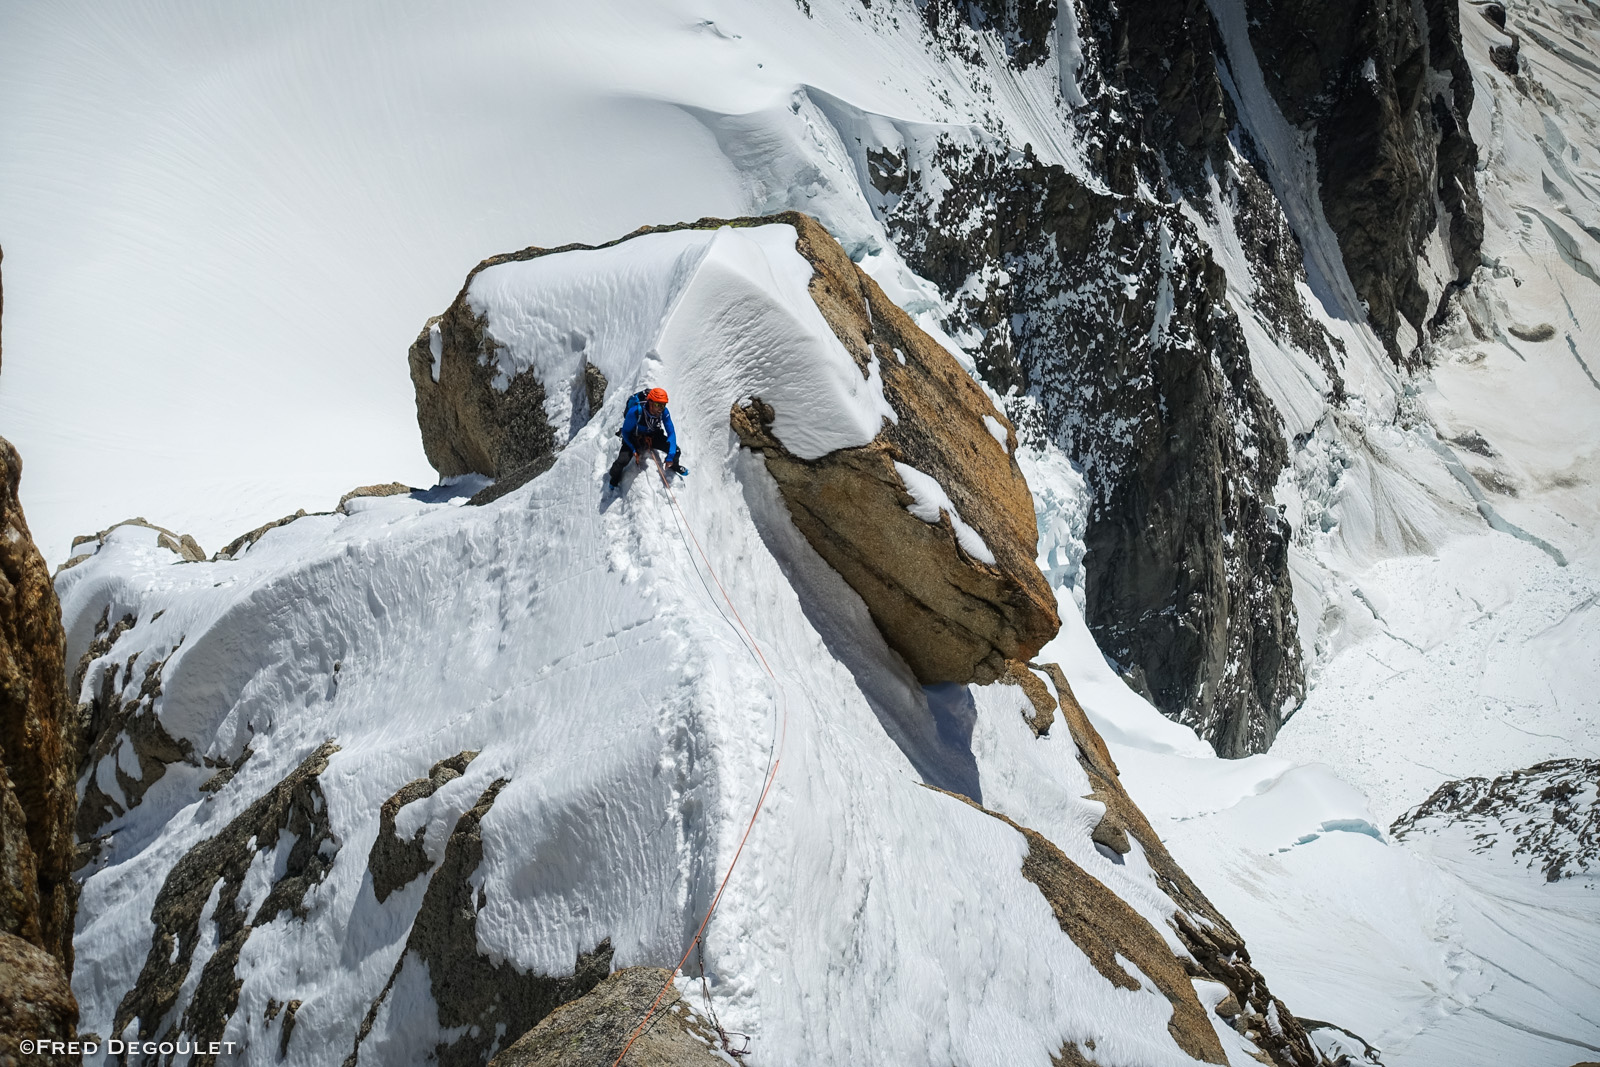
[532, 322]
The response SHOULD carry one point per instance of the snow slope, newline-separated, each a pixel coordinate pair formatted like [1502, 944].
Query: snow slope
[574, 639]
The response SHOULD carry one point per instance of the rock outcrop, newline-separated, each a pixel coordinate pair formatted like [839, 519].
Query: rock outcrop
[385, 489]
[394, 861]
[1546, 817]
[183, 546]
[956, 592]
[1187, 571]
[1109, 931]
[482, 1004]
[241, 544]
[36, 1002]
[118, 727]
[38, 897]
[1386, 89]
[469, 426]
[1092, 301]
[594, 1028]
[951, 613]
[213, 873]
[36, 740]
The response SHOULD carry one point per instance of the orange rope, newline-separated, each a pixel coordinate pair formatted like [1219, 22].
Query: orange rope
[772, 770]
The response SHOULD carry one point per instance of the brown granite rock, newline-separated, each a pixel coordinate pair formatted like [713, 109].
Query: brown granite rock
[37, 795]
[1122, 944]
[468, 426]
[36, 1003]
[394, 861]
[1216, 951]
[594, 1028]
[1112, 935]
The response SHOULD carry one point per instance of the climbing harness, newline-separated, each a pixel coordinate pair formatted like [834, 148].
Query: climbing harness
[774, 759]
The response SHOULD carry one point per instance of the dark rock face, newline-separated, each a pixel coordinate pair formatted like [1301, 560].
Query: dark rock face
[490, 1004]
[395, 862]
[1025, 27]
[1386, 87]
[1101, 316]
[1112, 334]
[294, 806]
[1096, 307]
[1548, 813]
[109, 721]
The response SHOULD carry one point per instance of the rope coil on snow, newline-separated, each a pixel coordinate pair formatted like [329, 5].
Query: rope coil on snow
[775, 758]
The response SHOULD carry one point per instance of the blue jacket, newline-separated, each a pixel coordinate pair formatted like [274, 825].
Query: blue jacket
[638, 422]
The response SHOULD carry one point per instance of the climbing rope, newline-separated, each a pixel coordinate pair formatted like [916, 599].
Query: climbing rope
[724, 1036]
[774, 759]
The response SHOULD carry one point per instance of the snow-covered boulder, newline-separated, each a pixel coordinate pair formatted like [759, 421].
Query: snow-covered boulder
[931, 523]
[897, 468]
[181, 545]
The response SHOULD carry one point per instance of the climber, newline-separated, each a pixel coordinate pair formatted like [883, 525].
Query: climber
[647, 424]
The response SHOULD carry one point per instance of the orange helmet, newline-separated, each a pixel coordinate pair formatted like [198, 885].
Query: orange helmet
[657, 395]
